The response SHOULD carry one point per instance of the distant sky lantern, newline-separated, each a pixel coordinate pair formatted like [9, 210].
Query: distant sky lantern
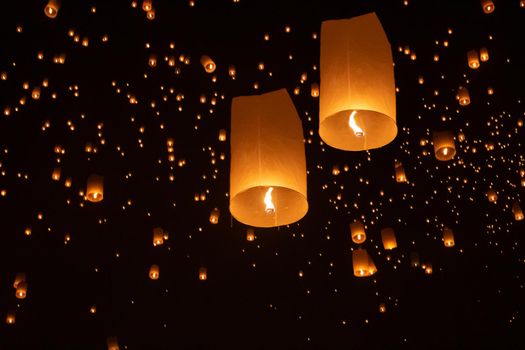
[448, 237]
[388, 237]
[268, 164]
[35, 94]
[222, 135]
[203, 274]
[152, 60]
[56, 174]
[147, 5]
[214, 216]
[516, 210]
[158, 236]
[154, 272]
[358, 104]
[492, 195]
[95, 188]
[484, 54]
[52, 7]
[150, 14]
[382, 308]
[463, 96]
[10, 318]
[250, 235]
[112, 343]
[232, 71]
[400, 173]
[428, 268]
[414, 259]
[488, 6]
[473, 60]
[444, 146]
[19, 278]
[357, 232]
[208, 64]
[362, 263]
[21, 290]
[314, 90]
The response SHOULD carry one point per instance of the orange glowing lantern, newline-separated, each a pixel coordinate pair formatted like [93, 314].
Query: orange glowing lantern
[484, 54]
[388, 237]
[214, 216]
[488, 6]
[314, 90]
[52, 7]
[154, 272]
[448, 237]
[56, 174]
[203, 274]
[516, 210]
[492, 195]
[473, 60]
[250, 235]
[222, 135]
[10, 318]
[208, 64]
[463, 96]
[444, 146]
[363, 264]
[357, 232]
[400, 173]
[21, 290]
[268, 164]
[95, 188]
[112, 343]
[158, 236]
[358, 105]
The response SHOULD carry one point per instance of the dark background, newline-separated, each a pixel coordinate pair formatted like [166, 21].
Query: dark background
[254, 297]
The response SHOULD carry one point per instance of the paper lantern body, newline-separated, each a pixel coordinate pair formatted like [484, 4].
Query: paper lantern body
[473, 61]
[267, 151]
[488, 6]
[389, 238]
[52, 7]
[95, 188]
[448, 237]
[357, 75]
[357, 232]
[463, 96]
[444, 146]
[363, 264]
[154, 272]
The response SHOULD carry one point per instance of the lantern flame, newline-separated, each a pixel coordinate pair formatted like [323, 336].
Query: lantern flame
[270, 207]
[358, 132]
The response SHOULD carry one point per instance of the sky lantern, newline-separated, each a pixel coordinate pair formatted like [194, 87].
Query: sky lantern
[203, 274]
[473, 60]
[250, 234]
[428, 268]
[484, 54]
[21, 290]
[19, 278]
[463, 96]
[268, 163]
[516, 210]
[444, 146]
[214, 215]
[414, 259]
[363, 264]
[222, 135]
[52, 7]
[400, 172]
[112, 343]
[382, 308]
[95, 188]
[154, 272]
[158, 236]
[10, 318]
[388, 237]
[492, 195]
[357, 232]
[488, 6]
[208, 64]
[358, 100]
[152, 60]
[314, 90]
[56, 174]
[448, 237]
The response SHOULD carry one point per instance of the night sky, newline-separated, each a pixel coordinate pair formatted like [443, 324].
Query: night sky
[106, 110]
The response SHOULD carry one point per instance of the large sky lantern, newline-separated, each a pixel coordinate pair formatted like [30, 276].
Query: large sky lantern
[357, 232]
[448, 237]
[488, 6]
[52, 7]
[444, 145]
[268, 163]
[358, 98]
[473, 59]
[362, 263]
[95, 188]
[388, 237]
[516, 210]
[112, 343]
[21, 290]
[484, 54]
[463, 96]
[208, 64]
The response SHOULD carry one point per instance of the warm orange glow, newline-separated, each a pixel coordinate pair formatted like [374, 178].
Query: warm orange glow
[358, 132]
[268, 202]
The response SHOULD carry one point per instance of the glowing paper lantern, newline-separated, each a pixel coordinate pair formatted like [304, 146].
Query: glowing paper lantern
[152, 60]
[363, 264]
[516, 210]
[19, 278]
[463, 96]
[112, 343]
[158, 236]
[214, 216]
[492, 195]
[382, 308]
[250, 235]
[314, 90]
[52, 7]
[357, 232]
[428, 268]
[222, 135]
[208, 64]
[10, 318]
[358, 103]
[268, 165]
[414, 259]
[95, 188]
[21, 290]
[56, 174]
[444, 146]
[448, 237]
[203, 274]
[484, 54]
[400, 173]
[473, 61]
[147, 5]
[488, 6]
[388, 237]
[154, 272]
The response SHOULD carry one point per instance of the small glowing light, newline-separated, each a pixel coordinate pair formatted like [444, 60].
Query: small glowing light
[270, 208]
[358, 132]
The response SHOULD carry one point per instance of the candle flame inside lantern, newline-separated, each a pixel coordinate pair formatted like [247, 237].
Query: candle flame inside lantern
[270, 207]
[353, 125]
